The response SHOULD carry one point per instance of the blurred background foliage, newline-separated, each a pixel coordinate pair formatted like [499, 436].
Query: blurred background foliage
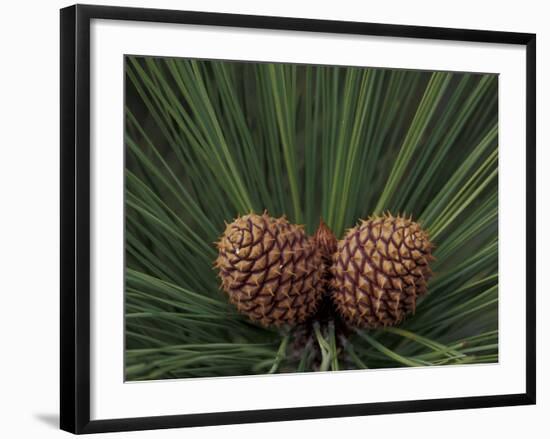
[209, 140]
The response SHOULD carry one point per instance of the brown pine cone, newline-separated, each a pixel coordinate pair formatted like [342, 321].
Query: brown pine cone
[270, 269]
[379, 269]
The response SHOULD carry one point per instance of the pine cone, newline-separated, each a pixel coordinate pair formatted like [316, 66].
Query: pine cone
[379, 269]
[270, 269]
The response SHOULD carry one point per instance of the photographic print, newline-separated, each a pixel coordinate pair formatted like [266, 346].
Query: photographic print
[285, 218]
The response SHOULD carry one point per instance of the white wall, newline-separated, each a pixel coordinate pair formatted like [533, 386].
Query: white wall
[29, 206]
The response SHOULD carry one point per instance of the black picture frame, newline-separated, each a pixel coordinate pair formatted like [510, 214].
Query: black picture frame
[75, 217]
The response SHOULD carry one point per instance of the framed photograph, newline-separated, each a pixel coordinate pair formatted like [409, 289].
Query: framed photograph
[268, 218]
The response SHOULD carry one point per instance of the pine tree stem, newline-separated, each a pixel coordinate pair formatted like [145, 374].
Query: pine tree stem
[324, 347]
[281, 354]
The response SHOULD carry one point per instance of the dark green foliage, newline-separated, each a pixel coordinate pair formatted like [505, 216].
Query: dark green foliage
[208, 140]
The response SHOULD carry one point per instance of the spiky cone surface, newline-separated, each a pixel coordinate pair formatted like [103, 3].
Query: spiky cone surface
[270, 269]
[379, 270]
